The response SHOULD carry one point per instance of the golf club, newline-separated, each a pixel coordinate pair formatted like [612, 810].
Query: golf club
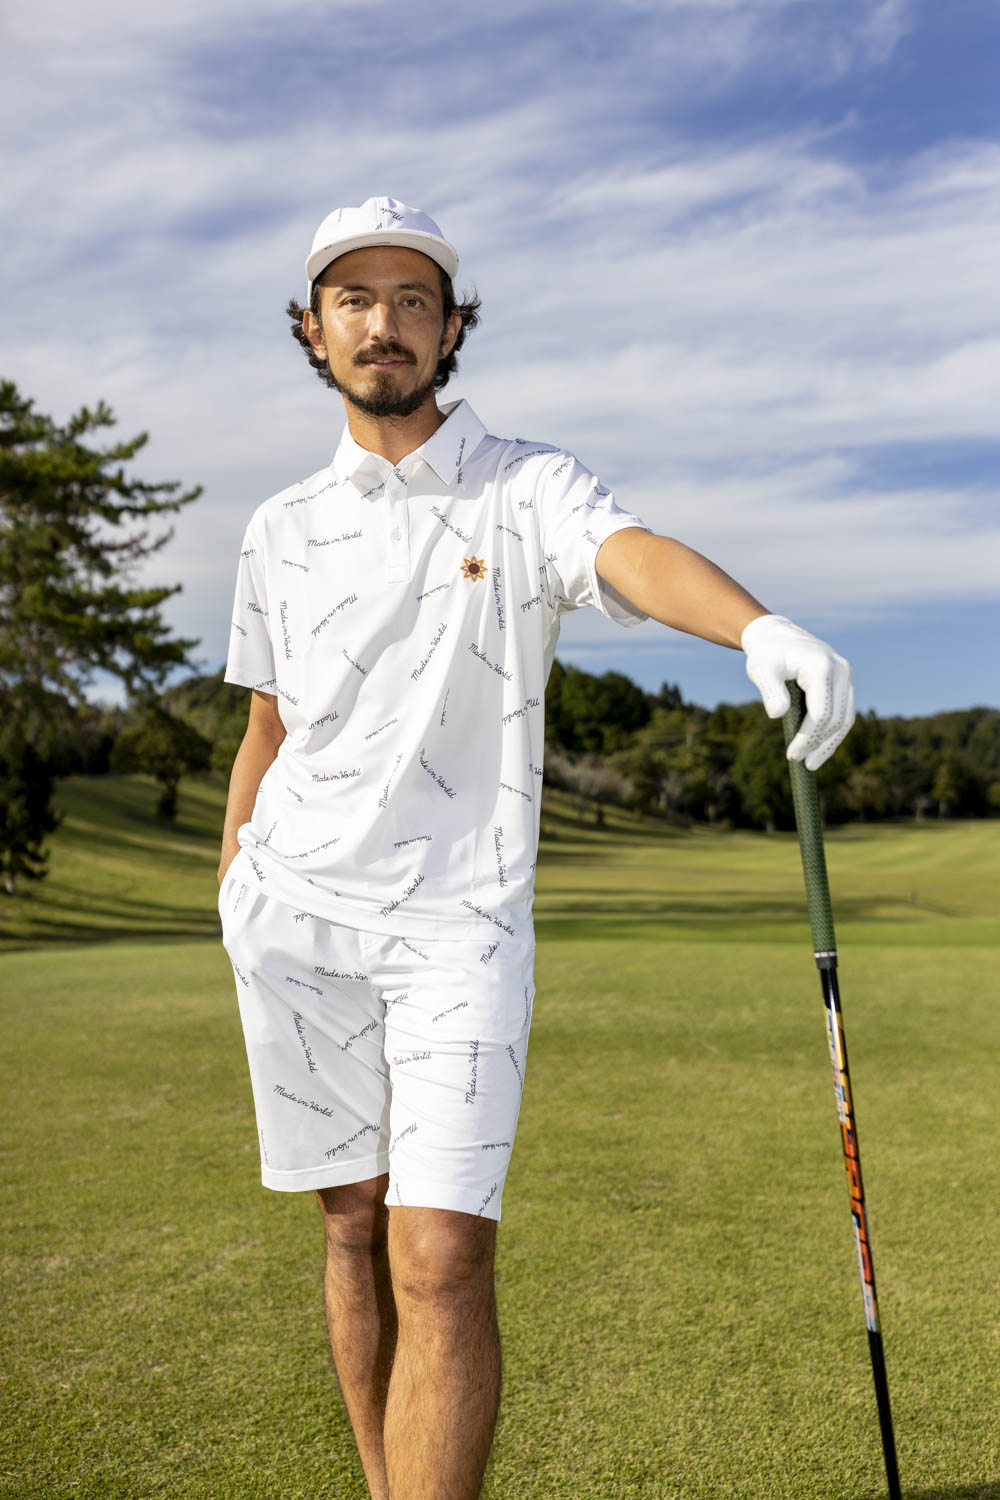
[810, 830]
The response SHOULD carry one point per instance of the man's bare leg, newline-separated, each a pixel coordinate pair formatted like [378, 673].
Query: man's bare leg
[444, 1390]
[360, 1312]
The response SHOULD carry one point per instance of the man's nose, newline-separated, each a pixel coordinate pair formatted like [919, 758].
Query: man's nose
[382, 321]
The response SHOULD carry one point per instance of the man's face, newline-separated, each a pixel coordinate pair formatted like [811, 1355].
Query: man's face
[381, 328]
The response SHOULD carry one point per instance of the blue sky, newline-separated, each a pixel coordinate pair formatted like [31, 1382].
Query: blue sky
[738, 255]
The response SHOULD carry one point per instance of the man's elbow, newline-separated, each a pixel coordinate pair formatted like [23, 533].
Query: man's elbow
[264, 723]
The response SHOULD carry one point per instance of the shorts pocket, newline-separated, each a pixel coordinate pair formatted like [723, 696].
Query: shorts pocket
[228, 877]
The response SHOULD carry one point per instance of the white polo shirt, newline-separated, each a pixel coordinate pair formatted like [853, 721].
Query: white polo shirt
[406, 617]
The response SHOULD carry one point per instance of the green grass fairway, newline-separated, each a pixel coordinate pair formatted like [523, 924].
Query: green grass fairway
[678, 1293]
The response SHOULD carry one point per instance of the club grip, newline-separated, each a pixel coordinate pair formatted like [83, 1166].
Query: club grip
[810, 826]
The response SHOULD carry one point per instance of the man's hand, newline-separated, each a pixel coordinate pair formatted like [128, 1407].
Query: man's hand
[258, 749]
[779, 652]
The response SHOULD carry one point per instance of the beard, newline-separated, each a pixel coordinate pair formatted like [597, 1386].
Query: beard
[384, 398]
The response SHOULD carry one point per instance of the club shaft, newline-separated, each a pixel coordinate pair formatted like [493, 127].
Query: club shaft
[859, 1212]
[810, 831]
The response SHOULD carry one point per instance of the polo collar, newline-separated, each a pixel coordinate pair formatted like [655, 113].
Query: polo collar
[446, 450]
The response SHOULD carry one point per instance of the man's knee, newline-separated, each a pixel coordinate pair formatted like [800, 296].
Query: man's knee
[355, 1218]
[440, 1253]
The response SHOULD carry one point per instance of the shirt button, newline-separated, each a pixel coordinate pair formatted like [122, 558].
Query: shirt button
[396, 534]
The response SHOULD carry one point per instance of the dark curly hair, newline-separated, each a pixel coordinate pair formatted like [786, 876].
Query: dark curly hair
[469, 312]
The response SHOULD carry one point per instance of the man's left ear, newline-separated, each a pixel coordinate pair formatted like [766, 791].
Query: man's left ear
[450, 334]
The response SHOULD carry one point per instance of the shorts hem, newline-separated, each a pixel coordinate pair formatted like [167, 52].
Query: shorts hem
[429, 1194]
[334, 1174]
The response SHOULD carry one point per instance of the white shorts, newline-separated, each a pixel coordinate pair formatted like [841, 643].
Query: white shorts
[370, 1053]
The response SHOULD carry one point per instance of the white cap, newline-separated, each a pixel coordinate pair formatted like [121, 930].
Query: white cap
[379, 221]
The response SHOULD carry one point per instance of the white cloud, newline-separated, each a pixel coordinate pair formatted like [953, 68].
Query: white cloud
[882, 29]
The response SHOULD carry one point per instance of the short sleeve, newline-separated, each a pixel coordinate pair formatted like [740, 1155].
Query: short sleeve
[251, 658]
[576, 514]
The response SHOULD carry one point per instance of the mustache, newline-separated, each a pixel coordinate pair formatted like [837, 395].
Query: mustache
[384, 351]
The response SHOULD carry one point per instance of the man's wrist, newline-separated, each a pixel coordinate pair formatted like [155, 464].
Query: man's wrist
[749, 633]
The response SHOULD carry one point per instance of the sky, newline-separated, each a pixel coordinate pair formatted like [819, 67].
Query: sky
[739, 256]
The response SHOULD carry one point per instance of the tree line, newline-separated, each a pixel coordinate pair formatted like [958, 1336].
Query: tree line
[69, 604]
[610, 741]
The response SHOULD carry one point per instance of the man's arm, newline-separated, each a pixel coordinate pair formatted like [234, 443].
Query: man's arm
[677, 586]
[258, 748]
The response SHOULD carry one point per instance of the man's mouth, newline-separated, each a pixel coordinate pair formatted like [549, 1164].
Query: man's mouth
[386, 361]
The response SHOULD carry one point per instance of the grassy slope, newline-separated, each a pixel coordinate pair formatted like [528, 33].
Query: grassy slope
[678, 1296]
[115, 872]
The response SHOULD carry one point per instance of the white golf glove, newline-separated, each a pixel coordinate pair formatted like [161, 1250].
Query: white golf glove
[779, 652]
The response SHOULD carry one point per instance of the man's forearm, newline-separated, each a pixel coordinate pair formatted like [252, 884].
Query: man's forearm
[677, 586]
[254, 756]
[672, 583]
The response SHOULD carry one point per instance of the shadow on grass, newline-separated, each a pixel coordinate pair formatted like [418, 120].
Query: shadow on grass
[558, 915]
[560, 822]
[73, 917]
[988, 1490]
[77, 916]
[56, 939]
[130, 829]
[678, 910]
[558, 826]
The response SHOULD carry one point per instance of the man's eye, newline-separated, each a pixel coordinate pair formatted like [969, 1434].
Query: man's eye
[413, 301]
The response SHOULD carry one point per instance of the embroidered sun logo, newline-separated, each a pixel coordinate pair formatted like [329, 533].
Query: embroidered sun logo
[474, 567]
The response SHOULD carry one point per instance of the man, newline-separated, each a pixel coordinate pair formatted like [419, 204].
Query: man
[396, 618]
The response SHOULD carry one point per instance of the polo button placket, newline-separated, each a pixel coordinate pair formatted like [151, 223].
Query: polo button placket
[397, 527]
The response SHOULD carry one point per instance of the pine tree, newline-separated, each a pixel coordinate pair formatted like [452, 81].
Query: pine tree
[68, 602]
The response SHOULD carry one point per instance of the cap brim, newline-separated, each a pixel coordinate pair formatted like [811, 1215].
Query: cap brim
[414, 239]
